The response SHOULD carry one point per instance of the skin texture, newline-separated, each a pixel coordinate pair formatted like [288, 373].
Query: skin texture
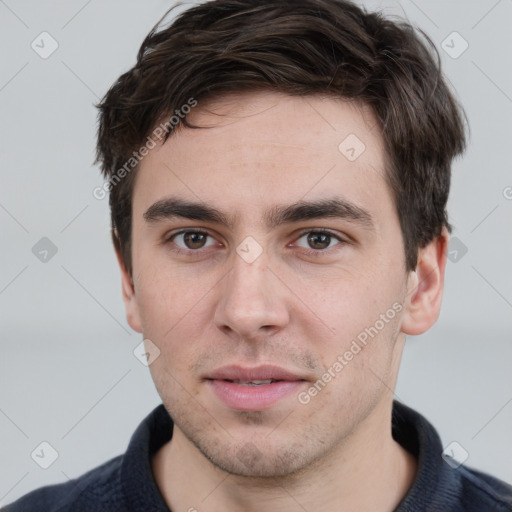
[289, 308]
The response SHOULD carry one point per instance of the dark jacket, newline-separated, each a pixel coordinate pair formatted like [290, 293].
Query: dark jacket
[126, 483]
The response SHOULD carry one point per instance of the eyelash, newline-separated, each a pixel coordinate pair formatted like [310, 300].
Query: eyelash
[310, 252]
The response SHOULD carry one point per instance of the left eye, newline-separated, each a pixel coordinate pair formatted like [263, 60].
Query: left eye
[319, 240]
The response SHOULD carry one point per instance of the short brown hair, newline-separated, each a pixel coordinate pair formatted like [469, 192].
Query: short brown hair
[298, 47]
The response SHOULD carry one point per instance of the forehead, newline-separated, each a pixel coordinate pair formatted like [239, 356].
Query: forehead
[264, 147]
[307, 123]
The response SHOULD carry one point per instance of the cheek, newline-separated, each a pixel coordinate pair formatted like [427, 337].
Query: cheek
[345, 302]
[354, 316]
[175, 311]
[167, 295]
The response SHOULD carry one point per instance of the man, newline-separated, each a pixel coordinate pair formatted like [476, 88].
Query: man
[278, 176]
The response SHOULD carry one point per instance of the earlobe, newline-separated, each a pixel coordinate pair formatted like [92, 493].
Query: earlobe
[129, 298]
[425, 287]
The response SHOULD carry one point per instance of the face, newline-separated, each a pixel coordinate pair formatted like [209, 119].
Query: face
[268, 270]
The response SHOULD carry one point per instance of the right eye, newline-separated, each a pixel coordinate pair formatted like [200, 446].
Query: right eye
[189, 241]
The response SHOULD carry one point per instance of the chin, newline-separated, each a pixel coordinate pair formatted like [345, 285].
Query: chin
[256, 459]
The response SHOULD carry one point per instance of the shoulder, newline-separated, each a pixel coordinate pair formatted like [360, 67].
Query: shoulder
[114, 486]
[442, 484]
[481, 491]
[99, 489]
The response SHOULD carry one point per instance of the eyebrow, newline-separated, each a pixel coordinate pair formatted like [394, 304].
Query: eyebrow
[336, 207]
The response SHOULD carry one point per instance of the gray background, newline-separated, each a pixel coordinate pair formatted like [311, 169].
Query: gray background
[68, 375]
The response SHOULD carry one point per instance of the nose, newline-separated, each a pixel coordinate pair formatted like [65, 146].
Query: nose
[254, 302]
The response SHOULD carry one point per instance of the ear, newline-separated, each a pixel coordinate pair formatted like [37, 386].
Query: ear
[425, 287]
[130, 302]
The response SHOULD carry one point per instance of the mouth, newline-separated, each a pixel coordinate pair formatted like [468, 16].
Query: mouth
[253, 382]
[253, 389]
[257, 375]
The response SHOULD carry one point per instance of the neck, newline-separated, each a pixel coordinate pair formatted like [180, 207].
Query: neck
[368, 472]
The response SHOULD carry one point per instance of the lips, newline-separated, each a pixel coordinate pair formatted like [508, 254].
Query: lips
[253, 389]
[260, 373]
[253, 382]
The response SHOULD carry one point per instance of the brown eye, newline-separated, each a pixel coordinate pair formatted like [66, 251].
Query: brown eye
[188, 240]
[319, 240]
[194, 240]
